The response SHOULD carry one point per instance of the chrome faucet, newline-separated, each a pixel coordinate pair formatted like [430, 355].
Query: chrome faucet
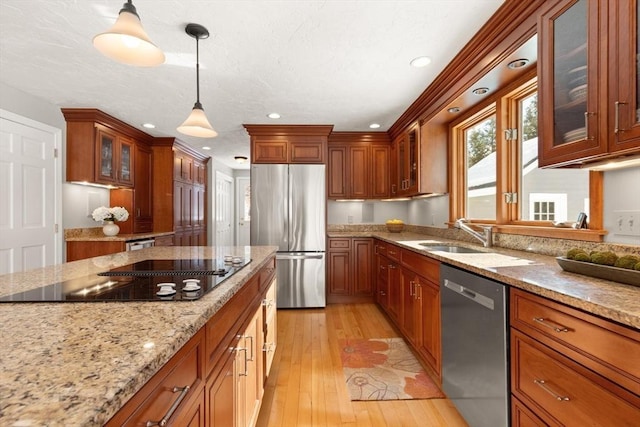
[486, 237]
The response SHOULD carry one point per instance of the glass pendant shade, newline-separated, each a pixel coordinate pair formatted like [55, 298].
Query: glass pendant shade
[127, 42]
[197, 124]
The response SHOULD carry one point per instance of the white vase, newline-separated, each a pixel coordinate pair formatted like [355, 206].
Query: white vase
[110, 228]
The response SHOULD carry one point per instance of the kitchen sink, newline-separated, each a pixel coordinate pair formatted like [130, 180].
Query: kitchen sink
[450, 248]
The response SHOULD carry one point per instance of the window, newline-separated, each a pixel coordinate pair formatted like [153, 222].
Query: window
[498, 145]
[480, 149]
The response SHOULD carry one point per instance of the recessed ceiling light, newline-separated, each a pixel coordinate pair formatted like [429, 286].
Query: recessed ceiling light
[481, 90]
[206, 147]
[374, 126]
[273, 115]
[149, 125]
[420, 61]
[454, 109]
[240, 159]
[518, 63]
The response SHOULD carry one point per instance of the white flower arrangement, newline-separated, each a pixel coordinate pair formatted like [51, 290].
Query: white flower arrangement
[115, 213]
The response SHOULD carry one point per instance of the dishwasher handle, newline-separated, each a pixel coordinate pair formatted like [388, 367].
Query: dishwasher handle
[300, 256]
[468, 293]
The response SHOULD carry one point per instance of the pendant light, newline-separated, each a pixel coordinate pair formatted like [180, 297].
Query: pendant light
[197, 123]
[127, 42]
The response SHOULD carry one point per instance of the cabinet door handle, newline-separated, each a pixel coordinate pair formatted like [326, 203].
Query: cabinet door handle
[616, 126]
[245, 340]
[392, 267]
[382, 293]
[551, 325]
[586, 125]
[246, 362]
[411, 288]
[542, 384]
[163, 422]
[418, 292]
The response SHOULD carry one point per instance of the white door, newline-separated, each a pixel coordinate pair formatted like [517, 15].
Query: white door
[224, 210]
[30, 181]
[243, 205]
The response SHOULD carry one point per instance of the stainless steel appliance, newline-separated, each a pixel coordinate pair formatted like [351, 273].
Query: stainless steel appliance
[288, 210]
[134, 245]
[149, 280]
[474, 346]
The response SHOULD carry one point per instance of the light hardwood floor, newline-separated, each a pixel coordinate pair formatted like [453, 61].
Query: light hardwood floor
[306, 385]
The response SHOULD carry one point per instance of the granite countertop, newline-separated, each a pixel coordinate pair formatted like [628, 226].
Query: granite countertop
[538, 274]
[76, 364]
[90, 236]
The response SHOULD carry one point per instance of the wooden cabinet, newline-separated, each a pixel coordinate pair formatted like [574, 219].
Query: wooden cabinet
[570, 367]
[179, 383]
[407, 150]
[180, 198]
[240, 341]
[252, 380]
[220, 392]
[350, 270]
[408, 290]
[288, 143]
[588, 81]
[100, 148]
[166, 240]
[142, 194]
[271, 332]
[624, 46]
[419, 161]
[138, 201]
[358, 165]
[88, 249]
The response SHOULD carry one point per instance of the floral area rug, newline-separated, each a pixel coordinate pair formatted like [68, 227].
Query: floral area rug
[384, 369]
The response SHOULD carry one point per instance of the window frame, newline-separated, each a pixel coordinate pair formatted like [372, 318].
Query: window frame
[505, 103]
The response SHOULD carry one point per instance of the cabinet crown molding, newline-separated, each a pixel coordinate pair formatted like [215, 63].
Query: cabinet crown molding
[271, 130]
[98, 116]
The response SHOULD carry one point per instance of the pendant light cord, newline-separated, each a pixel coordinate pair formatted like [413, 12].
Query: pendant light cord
[198, 105]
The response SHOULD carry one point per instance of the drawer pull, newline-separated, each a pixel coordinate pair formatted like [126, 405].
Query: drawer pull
[246, 363]
[547, 323]
[546, 388]
[163, 422]
[392, 267]
[251, 338]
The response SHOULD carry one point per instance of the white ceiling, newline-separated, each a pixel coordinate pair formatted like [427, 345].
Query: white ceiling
[341, 62]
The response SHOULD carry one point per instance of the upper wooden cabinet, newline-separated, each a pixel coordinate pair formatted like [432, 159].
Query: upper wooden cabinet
[180, 198]
[101, 149]
[588, 81]
[288, 143]
[358, 166]
[419, 161]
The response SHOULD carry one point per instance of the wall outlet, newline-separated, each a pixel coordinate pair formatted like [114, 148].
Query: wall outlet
[626, 223]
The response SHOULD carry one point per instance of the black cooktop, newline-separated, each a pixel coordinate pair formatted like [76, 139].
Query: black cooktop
[151, 280]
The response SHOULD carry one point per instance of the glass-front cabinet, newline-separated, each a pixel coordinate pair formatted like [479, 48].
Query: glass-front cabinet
[626, 72]
[588, 71]
[407, 149]
[114, 158]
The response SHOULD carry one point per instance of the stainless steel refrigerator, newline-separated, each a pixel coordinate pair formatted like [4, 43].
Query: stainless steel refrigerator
[288, 210]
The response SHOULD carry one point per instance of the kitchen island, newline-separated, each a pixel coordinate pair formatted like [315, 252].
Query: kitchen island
[77, 364]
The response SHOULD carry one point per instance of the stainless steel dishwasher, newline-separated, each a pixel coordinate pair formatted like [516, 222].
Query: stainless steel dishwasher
[474, 346]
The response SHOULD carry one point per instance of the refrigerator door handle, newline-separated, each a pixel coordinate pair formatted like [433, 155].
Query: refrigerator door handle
[300, 256]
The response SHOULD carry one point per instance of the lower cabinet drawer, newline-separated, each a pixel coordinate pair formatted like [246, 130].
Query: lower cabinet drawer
[562, 392]
[605, 347]
[521, 416]
[171, 393]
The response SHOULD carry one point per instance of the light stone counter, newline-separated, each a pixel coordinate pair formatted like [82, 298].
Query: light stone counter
[538, 274]
[76, 364]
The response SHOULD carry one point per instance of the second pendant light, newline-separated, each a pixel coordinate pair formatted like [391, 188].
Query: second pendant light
[197, 124]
